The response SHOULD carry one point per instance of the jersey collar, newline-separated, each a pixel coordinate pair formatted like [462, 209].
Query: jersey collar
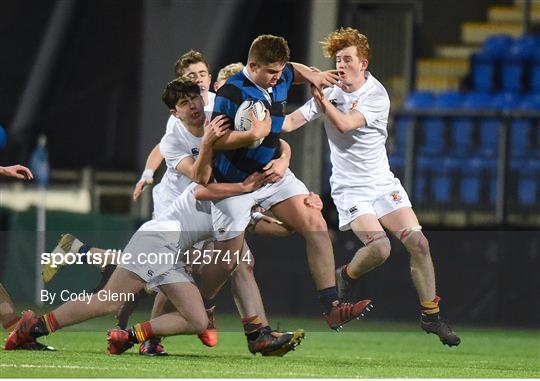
[266, 92]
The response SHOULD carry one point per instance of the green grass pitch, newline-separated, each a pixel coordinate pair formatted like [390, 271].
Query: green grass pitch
[366, 349]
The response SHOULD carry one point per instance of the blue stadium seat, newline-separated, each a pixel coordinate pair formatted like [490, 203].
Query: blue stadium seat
[478, 181]
[442, 186]
[433, 140]
[470, 181]
[506, 101]
[489, 127]
[483, 70]
[520, 132]
[512, 71]
[497, 45]
[425, 166]
[397, 163]
[515, 62]
[527, 191]
[449, 100]
[478, 100]
[484, 64]
[460, 141]
[396, 156]
[529, 183]
[525, 131]
[530, 102]
[419, 100]
[534, 75]
[461, 136]
[401, 127]
[433, 129]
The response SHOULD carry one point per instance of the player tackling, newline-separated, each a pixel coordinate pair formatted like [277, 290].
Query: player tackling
[366, 193]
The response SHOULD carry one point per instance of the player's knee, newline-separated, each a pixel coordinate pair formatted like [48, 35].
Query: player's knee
[200, 324]
[380, 250]
[417, 244]
[245, 266]
[314, 222]
[112, 306]
[230, 267]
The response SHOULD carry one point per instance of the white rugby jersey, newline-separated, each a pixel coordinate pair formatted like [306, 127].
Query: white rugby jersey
[194, 218]
[359, 156]
[209, 108]
[176, 145]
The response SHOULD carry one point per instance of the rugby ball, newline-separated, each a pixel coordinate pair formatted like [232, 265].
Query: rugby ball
[242, 119]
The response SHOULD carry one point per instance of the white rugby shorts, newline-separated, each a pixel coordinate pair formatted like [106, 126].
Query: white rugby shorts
[231, 216]
[351, 202]
[154, 255]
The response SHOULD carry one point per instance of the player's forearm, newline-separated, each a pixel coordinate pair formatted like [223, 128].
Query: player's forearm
[154, 159]
[293, 121]
[201, 171]
[285, 149]
[235, 139]
[218, 191]
[302, 73]
[342, 122]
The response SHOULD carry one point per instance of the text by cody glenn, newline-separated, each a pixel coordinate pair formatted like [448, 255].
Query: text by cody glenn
[50, 297]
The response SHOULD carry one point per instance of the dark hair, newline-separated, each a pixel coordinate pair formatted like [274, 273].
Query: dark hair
[177, 89]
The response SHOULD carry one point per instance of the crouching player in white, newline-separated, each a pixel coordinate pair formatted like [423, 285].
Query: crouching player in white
[367, 194]
[131, 276]
[187, 222]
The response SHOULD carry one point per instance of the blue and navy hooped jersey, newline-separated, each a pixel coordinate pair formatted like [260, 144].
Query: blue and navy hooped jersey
[234, 166]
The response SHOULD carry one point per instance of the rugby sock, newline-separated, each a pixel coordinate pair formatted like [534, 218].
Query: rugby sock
[345, 275]
[430, 309]
[140, 332]
[10, 325]
[252, 326]
[46, 324]
[327, 296]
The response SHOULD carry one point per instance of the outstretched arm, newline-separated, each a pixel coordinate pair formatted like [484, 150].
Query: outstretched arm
[17, 171]
[219, 191]
[152, 164]
[293, 121]
[320, 79]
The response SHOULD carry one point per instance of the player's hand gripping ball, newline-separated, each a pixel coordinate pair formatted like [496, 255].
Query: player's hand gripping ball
[242, 119]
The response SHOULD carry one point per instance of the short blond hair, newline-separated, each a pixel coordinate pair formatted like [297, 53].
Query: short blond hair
[229, 70]
[343, 38]
[267, 49]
